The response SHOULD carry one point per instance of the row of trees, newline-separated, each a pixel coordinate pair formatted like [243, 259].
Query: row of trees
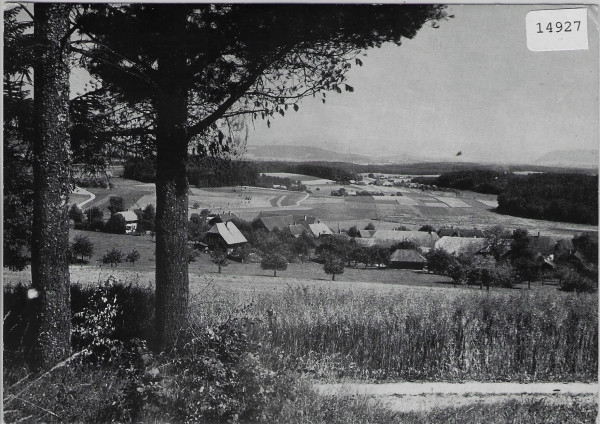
[184, 76]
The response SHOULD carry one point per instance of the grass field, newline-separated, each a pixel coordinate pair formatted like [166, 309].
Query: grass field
[372, 331]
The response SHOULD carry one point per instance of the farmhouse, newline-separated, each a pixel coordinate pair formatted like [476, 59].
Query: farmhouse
[131, 220]
[461, 245]
[295, 224]
[224, 234]
[407, 259]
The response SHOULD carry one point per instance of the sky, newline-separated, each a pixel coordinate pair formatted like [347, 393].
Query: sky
[471, 85]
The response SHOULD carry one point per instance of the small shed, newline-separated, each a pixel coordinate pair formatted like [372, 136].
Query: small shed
[407, 259]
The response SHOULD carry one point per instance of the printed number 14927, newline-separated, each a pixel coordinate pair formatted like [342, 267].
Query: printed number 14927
[567, 26]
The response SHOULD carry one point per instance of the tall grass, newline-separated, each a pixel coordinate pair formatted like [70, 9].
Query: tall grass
[425, 335]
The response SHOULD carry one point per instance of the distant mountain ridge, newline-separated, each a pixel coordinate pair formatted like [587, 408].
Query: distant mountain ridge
[318, 154]
[570, 158]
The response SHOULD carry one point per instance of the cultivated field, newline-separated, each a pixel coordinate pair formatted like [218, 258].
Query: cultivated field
[413, 208]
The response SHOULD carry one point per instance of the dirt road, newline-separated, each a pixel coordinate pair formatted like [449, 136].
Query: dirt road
[407, 396]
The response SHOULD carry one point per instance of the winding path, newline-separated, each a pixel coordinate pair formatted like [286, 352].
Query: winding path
[83, 191]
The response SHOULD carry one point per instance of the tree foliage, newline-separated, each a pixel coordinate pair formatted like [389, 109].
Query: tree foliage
[113, 257]
[219, 258]
[132, 257]
[116, 225]
[334, 265]
[274, 262]
[115, 204]
[188, 72]
[82, 246]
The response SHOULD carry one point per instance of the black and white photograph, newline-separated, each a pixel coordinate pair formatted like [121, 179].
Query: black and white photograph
[300, 212]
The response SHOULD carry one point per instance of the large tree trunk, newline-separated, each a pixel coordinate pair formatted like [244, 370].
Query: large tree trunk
[172, 285]
[51, 329]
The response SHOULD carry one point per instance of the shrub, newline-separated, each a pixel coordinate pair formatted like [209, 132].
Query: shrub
[274, 262]
[571, 281]
[82, 246]
[215, 376]
[113, 257]
[370, 226]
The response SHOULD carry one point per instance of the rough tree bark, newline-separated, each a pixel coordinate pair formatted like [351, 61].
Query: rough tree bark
[51, 326]
[171, 193]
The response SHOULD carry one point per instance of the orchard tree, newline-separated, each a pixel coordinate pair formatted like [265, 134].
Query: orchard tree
[219, 258]
[194, 69]
[83, 247]
[274, 262]
[334, 265]
[133, 257]
[113, 257]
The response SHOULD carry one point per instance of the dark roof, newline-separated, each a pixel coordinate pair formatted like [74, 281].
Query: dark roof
[543, 244]
[366, 233]
[457, 232]
[223, 217]
[474, 232]
[284, 221]
[128, 216]
[407, 255]
[271, 222]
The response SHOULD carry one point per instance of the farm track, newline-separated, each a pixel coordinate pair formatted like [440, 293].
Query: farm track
[417, 396]
[84, 192]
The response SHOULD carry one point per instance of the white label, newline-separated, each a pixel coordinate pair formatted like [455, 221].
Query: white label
[558, 29]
